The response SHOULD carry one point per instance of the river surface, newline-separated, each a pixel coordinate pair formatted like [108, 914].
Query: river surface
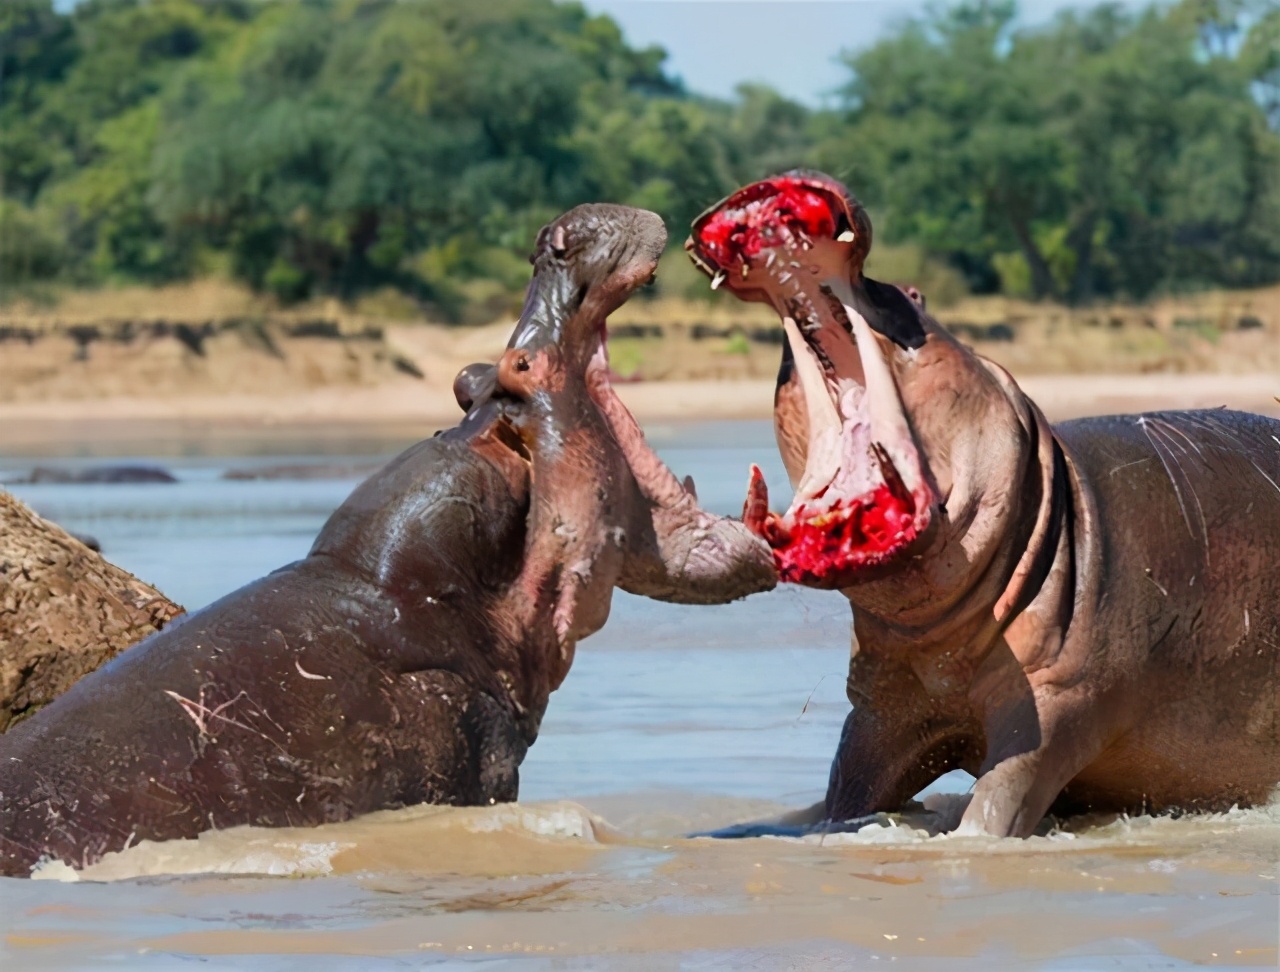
[673, 720]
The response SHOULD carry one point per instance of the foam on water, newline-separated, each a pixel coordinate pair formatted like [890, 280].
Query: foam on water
[936, 827]
[547, 836]
[417, 839]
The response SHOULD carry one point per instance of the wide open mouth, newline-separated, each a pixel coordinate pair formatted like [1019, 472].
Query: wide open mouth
[862, 499]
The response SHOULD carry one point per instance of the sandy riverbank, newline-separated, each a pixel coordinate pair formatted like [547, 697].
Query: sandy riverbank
[205, 360]
[410, 409]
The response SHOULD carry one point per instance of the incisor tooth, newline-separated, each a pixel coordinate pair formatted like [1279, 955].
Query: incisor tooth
[717, 280]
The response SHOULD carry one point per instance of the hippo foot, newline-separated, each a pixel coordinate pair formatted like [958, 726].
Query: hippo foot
[768, 828]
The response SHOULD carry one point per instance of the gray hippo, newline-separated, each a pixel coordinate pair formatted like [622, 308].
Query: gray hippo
[1083, 616]
[409, 657]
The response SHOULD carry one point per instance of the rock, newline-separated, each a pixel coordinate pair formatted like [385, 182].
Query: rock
[64, 611]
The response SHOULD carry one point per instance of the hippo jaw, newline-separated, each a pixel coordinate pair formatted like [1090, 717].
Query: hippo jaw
[862, 498]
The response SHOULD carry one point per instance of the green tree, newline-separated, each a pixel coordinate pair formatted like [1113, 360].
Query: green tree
[1108, 153]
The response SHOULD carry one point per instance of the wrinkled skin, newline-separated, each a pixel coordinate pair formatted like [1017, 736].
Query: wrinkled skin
[409, 657]
[1088, 618]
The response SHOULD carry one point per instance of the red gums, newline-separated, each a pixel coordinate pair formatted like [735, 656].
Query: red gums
[821, 550]
[735, 232]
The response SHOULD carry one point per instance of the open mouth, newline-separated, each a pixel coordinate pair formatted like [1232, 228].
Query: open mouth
[795, 242]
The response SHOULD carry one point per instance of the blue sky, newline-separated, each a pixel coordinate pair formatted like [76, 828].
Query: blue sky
[790, 44]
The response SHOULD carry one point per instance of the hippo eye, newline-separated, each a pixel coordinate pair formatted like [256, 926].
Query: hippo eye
[522, 364]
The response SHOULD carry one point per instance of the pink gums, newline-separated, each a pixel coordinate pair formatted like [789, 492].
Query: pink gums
[736, 233]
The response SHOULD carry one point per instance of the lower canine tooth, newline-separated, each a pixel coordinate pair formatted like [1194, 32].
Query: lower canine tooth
[846, 237]
[823, 462]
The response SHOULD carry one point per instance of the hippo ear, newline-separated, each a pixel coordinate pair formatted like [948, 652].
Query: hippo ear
[474, 383]
[891, 312]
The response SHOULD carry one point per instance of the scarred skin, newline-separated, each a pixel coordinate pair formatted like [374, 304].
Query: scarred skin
[1090, 621]
[409, 657]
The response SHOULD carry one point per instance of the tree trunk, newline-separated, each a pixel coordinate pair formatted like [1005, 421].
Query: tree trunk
[1042, 282]
[1080, 242]
[64, 611]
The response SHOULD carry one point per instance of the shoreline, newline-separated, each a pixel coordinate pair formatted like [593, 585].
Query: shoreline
[403, 411]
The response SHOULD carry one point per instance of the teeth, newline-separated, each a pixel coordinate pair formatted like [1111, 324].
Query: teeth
[745, 271]
[717, 280]
[769, 258]
[823, 461]
[888, 424]
[846, 237]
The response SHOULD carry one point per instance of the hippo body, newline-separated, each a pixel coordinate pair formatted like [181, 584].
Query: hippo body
[368, 675]
[1185, 521]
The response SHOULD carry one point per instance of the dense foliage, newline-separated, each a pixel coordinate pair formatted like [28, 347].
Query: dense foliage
[1111, 153]
[338, 146]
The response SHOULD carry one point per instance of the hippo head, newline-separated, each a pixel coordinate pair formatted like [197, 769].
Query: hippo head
[604, 508]
[856, 416]
[585, 265]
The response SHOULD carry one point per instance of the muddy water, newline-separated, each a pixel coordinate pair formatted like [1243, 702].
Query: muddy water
[673, 720]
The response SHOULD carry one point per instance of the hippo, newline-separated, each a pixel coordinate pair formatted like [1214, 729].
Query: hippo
[408, 658]
[98, 475]
[1083, 616]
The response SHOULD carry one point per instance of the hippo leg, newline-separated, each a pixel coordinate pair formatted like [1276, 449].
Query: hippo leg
[1029, 761]
[896, 741]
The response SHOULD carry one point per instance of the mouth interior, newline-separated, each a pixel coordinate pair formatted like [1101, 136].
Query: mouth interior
[779, 212]
[862, 497]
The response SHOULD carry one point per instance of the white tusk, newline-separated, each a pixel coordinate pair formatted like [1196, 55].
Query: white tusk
[823, 461]
[846, 237]
[888, 423]
[717, 280]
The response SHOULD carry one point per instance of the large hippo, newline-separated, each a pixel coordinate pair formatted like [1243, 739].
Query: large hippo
[1083, 616]
[409, 657]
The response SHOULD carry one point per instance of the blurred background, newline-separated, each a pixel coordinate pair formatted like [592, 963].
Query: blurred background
[203, 197]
